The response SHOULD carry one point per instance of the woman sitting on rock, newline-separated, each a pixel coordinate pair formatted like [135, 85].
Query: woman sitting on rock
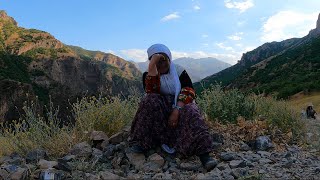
[167, 115]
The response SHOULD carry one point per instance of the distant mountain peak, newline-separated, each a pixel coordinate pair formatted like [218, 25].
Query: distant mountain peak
[318, 22]
[4, 16]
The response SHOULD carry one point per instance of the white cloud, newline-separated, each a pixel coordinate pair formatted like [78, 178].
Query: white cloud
[288, 24]
[242, 6]
[241, 23]
[205, 35]
[236, 37]
[171, 16]
[196, 7]
[222, 46]
[138, 55]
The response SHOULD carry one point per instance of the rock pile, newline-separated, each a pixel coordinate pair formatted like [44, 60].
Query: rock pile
[111, 158]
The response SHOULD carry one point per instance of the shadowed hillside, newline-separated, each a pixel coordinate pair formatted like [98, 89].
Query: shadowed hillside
[43, 66]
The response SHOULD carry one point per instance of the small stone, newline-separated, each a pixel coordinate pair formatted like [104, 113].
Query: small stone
[97, 153]
[287, 155]
[133, 176]
[190, 166]
[261, 171]
[118, 172]
[293, 149]
[117, 160]
[106, 175]
[63, 165]
[151, 167]
[287, 164]
[98, 136]
[78, 175]
[264, 161]
[121, 146]
[13, 159]
[227, 171]
[137, 159]
[103, 146]
[69, 158]
[244, 147]
[162, 176]
[99, 139]
[10, 168]
[214, 174]
[227, 156]
[44, 164]
[200, 176]
[35, 155]
[278, 174]
[263, 143]
[91, 176]
[239, 172]
[116, 138]
[19, 174]
[235, 163]
[223, 166]
[81, 150]
[246, 163]
[264, 154]
[4, 174]
[16, 161]
[109, 151]
[157, 159]
[252, 157]
[228, 176]
[51, 174]
[174, 169]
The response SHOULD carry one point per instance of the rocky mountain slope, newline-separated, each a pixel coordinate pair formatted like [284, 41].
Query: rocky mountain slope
[43, 66]
[196, 68]
[266, 58]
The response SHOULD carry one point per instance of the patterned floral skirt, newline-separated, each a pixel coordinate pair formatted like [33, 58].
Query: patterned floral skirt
[150, 126]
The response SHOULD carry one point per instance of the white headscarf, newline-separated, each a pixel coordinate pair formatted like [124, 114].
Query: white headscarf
[170, 83]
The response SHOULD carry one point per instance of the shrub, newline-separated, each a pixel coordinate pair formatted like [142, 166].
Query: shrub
[105, 114]
[225, 106]
[279, 114]
[228, 106]
[33, 131]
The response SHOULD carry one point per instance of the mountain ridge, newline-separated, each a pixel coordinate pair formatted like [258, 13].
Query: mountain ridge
[259, 57]
[54, 69]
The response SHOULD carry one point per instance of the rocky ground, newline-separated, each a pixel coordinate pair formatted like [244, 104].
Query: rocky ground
[110, 158]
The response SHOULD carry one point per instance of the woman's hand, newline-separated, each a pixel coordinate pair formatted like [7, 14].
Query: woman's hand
[156, 58]
[153, 70]
[174, 118]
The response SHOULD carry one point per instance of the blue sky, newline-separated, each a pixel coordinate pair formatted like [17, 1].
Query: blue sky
[194, 28]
